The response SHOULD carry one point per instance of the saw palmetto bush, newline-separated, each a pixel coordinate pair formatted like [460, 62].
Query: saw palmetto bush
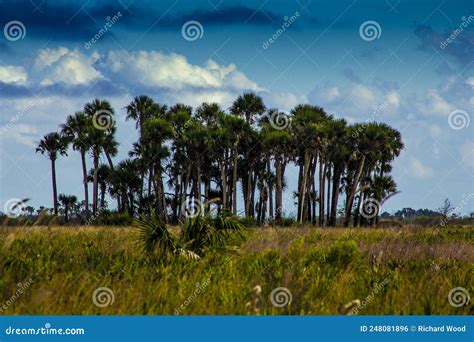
[207, 232]
[197, 235]
[154, 236]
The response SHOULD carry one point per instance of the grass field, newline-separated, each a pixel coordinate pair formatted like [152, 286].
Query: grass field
[381, 271]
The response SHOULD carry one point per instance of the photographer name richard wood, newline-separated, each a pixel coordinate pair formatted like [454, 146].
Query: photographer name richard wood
[442, 328]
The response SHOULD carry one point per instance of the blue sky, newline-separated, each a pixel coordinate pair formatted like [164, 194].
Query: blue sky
[408, 75]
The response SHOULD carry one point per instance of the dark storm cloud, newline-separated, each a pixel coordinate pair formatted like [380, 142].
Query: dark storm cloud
[77, 21]
[457, 43]
[56, 20]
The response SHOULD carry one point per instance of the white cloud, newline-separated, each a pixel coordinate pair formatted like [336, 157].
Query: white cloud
[69, 67]
[393, 98]
[174, 72]
[284, 101]
[467, 154]
[418, 169]
[470, 81]
[434, 104]
[363, 97]
[46, 57]
[13, 75]
[331, 94]
[21, 134]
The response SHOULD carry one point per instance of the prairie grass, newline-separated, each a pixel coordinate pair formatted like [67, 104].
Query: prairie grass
[324, 269]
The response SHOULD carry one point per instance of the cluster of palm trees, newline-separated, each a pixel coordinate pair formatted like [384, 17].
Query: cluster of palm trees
[187, 159]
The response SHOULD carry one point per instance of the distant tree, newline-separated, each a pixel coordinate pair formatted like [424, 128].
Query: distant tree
[53, 145]
[67, 201]
[446, 208]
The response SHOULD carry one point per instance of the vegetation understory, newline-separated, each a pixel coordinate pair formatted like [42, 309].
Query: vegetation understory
[396, 271]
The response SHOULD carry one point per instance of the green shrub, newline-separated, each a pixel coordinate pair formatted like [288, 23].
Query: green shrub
[343, 252]
[113, 218]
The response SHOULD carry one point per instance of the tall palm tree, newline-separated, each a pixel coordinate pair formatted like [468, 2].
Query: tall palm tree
[76, 130]
[52, 145]
[101, 139]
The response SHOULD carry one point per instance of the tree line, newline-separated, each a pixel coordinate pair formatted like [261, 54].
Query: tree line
[189, 160]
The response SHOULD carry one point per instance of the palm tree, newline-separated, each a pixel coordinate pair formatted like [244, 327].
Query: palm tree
[101, 139]
[76, 130]
[67, 202]
[247, 106]
[52, 145]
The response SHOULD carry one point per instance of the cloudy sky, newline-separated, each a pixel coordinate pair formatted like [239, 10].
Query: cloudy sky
[405, 62]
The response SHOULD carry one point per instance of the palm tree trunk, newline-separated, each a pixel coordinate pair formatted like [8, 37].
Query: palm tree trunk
[207, 190]
[234, 179]
[322, 181]
[328, 206]
[55, 190]
[109, 160]
[303, 185]
[66, 211]
[223, 185]
[336, 180]
[270, 193]
[278, 190]
[85, 183]
[248, 200]
[95, 184]
[350, 198]
[312, 205]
